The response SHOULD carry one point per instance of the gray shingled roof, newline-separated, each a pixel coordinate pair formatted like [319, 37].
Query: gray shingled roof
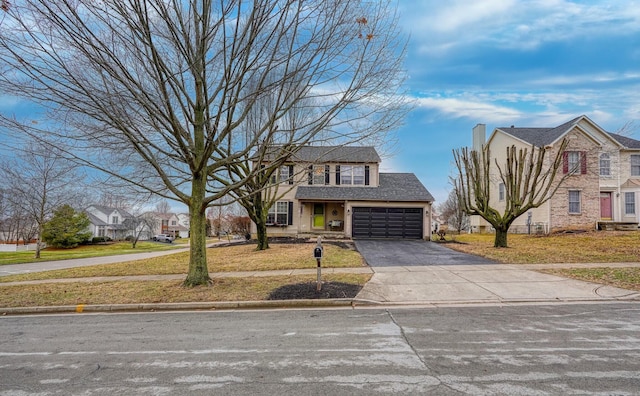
[626, 141]
[108, 210]
[541, 137]
[343, 154]
[94, 220]
[400, 187]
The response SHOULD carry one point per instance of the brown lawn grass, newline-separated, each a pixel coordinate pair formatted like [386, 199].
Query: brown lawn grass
[588, 247]
[128, 292]
[220, 259]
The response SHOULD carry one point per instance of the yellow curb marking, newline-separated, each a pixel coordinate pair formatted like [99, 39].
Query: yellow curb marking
[79, 308]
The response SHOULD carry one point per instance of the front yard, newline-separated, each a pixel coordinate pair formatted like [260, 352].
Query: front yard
[589, 247]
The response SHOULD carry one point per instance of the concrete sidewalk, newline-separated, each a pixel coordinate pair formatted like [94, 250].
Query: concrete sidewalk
[489, 283]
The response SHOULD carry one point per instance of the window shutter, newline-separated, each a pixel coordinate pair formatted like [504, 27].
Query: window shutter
[583, 162]
[565, 162]
[290, 174]
[337, 175]
[366, 175]
[327, 173]
[290, 215]
[310, 174]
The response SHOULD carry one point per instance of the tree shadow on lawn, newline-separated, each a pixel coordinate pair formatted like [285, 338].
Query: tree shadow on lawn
[308, 290]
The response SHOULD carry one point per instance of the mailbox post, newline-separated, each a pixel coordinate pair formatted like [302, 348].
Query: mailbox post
[317, 254]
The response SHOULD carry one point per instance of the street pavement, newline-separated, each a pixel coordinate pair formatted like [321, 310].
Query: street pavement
[407, 273]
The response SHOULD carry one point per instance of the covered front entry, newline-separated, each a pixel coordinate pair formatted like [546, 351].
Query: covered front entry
[383, 222]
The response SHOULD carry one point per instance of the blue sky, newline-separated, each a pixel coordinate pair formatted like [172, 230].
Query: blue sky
[512, 62]
[507, 62]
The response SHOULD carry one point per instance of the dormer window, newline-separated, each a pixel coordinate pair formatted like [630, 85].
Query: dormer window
[114, 220]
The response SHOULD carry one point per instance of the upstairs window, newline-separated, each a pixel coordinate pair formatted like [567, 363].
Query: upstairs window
[605, 165]
[114, 220]
[574, 162]
[283, 174]
[501, 192]
[319, 174]
[352, 175]
[635, 165]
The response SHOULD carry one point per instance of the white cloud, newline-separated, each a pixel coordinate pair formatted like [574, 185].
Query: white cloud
[475, 110]
[439, 27]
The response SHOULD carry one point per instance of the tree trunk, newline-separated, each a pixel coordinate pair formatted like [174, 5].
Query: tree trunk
[263, 241]
[198, 272]
[38, 240]
[501, 238]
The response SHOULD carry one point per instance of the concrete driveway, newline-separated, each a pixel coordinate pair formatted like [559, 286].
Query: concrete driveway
[395, 253]
[420, 272]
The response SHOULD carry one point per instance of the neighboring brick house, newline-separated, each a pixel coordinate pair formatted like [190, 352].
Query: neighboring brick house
[339, 191]
[601, 190]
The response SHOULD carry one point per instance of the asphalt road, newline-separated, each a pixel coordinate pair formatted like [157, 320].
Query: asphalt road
[511, 350]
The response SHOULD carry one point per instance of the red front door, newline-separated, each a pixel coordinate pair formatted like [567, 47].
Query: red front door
[605, 206]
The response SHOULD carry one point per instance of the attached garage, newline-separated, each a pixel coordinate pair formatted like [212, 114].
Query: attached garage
[387, 222]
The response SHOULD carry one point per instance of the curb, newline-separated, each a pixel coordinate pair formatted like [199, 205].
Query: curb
[288, 304]
[198, 306]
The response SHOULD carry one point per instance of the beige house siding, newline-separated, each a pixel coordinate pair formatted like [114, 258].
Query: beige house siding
[588, 138]
[336, 207]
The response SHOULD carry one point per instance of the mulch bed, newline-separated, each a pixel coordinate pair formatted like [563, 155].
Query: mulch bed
[307, 290]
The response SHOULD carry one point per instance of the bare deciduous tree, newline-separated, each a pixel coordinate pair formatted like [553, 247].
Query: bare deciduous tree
[40, 180]
[156, 92]
[529, 180]
[452, 212]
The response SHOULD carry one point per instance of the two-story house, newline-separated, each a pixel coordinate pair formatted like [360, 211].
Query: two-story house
[108, 222]
[602, 182]
[339, 190]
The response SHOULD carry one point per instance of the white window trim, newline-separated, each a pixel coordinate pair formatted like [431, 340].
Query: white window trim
[352, 175]
[579, 202]
[574, 166]
[318, 177]
[280, 208]
[626, 202]
[606, 158]
[635, 165]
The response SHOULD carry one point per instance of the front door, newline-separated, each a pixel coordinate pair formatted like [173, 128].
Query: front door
[318, 215]
[605, 206]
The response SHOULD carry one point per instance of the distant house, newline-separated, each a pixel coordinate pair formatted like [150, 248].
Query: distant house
[108, 222]
[168, 223]
[603, 183]
[340, 191]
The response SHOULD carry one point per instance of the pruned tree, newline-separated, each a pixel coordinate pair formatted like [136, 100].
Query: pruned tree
[40, 180]
[529, 179]
[155, 93]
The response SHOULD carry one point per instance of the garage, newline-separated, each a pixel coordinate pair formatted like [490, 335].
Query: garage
[381, 222]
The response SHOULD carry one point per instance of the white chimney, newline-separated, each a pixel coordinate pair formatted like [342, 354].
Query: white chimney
[479, 136]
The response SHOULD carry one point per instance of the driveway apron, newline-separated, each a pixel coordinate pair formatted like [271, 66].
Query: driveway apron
[421, 272]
